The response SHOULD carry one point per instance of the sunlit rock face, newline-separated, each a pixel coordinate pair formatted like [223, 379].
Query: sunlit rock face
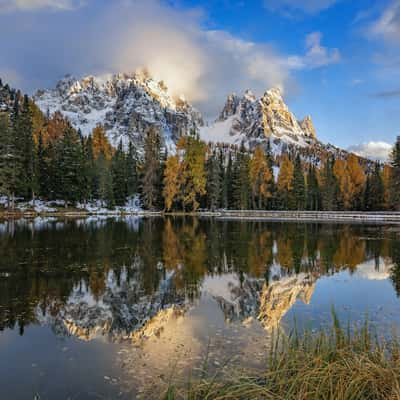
[278, 298]
[246, 118]
[123, 311]
[126, 104]
[267, 302]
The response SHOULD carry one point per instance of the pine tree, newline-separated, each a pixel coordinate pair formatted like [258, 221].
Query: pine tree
[104, 184]
[374, 190]
[69, 166]
[10, 161]
[213, 186]
[151, 169]
[240, 180]
[8, 177]
[313, 192]
[29, 172]
[119, 176]
[299, 189]
[227, 189]
[329, 186]
[395, 176]
[132, 171]
[43, 177]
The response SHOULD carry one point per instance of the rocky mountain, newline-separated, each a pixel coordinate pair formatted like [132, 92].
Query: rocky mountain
[126, 104]
[253, 120]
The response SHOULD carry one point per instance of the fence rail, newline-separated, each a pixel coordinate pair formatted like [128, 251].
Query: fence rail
[347, 216]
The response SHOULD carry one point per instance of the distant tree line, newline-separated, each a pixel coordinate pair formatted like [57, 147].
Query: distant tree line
[43, 156]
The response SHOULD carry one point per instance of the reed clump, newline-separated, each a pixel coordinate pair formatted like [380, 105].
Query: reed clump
[334, 364]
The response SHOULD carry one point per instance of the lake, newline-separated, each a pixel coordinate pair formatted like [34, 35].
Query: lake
[108, 308]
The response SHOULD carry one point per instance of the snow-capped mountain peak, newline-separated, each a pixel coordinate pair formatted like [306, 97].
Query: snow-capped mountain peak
[253, 120]
[126, 104]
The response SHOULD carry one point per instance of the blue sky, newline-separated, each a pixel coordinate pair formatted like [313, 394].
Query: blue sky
[337, 60]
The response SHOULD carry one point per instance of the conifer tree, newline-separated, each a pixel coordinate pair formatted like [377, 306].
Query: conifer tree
[374, 190]
[213, 186]
[43, 176]
[194, 174]
[151, 169]
[132, 171]
[329, 186]
[172, 181]
[285, 183]
[313, 193]
[240, 180]
[299, 189]
[261, 178]
[226, 191]
[119, 176]
[395, 176]
[69, 166]
[104, 185]
[8, 175]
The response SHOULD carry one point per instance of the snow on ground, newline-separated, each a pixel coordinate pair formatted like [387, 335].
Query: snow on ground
[97, 207]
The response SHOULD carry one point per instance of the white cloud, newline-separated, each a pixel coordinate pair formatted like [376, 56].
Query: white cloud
[28, 5]
[171, 42]
[373, 150]
[316, 55]
[387, 25]
[305, 6]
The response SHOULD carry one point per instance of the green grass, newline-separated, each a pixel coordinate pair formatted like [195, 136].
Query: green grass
[335, 364]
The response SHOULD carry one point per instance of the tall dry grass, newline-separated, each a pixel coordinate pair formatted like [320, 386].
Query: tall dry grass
[335, 364]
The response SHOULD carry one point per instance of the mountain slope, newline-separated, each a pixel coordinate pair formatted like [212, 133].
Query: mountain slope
[127, 105]
[254, 120]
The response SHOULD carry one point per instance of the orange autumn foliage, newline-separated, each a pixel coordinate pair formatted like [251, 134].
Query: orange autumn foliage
[100, 143]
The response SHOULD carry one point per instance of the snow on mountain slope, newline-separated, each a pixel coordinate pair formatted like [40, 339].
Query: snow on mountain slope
[126, 104]
[129, 104]
[253, 120]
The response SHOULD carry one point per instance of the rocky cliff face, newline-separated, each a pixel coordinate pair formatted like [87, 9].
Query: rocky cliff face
[126, 104]
[253, 120]
[123, 311]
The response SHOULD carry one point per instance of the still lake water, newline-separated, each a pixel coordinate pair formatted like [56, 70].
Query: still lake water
[117, 308]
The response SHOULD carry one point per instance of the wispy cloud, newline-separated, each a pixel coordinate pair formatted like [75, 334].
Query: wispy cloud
[374, 150]
[288, 7]
[316, 55]
[357, 82]
[388, 93]
[30, 5]
[387, 25]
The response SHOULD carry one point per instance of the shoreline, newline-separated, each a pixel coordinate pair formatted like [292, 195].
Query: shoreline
[381, 217]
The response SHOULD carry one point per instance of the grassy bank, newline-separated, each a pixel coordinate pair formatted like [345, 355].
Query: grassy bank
[334, 364]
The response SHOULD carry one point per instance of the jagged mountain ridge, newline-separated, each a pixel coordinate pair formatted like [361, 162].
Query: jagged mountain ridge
[250, 119]
[127, 104]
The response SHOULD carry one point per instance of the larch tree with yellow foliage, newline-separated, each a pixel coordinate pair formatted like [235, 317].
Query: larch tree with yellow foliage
[261, 178]
[172, 181]
[285, 183]
[101, 144]
[351, 178]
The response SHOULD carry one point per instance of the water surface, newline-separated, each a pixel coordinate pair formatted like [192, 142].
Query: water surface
[116, 308]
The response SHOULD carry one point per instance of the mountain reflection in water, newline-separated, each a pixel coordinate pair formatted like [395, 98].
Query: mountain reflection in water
[142, 299]
[112, 277]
